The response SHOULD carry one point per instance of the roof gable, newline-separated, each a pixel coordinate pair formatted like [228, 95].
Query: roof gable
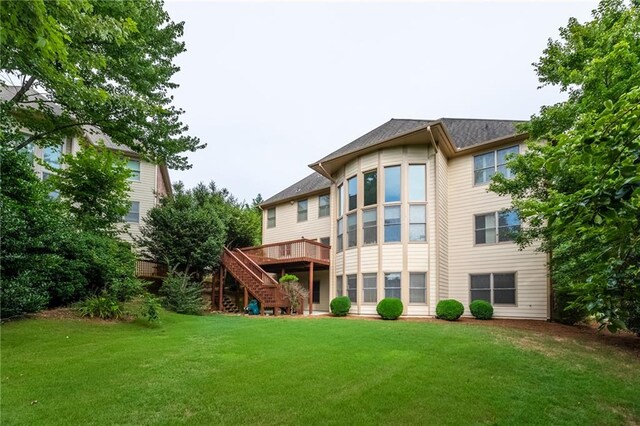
[312, 183]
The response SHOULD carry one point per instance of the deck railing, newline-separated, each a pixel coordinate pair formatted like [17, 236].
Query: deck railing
[308, 250]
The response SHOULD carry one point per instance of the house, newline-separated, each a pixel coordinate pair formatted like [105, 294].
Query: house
[404, 211]
[148, 183]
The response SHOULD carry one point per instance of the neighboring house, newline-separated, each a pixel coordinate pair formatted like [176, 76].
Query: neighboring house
[407, 213]
[149, 182]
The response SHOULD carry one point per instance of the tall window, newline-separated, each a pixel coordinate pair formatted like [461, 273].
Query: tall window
[496, 227]
[417, 182]
[417, 287]
[391, 184]
[417, 222]
[392, 231]
[370, 226]
[271, 217]
[340, 242]
[339, 290]
[352, 288]
[352, 230]
[134, 213]
[323, 206]
[486, 165]
[392, 285]
[369, 288]
[352, 185]
[303, 206]
[51, 155]
[497, 289]
[370, 188]
[340, 200]
[134, 167]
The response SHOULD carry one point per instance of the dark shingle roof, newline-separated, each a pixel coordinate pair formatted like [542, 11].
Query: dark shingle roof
[313, 182]
[468, 132]
[392, 128]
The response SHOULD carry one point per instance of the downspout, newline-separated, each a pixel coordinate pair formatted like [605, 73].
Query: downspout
[437, 216]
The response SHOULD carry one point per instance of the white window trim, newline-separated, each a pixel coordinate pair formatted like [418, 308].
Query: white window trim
[497, 229]
[495, 163]
[491, 274]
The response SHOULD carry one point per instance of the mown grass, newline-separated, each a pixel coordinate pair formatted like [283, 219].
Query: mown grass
[236, 370]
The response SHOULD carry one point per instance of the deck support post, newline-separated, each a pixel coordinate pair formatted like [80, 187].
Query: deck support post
[310, 288]
[221, 288]
[246, 297]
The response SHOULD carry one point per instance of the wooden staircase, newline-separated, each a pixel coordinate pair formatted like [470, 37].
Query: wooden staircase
[256, 280]
[229, 305]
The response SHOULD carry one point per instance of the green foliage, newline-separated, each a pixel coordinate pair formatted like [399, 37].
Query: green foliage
[94, 185]
[390, 308]
[340, 306]
[565, 311]
[20, 295]
[481, 309]
[288, 278]
[189, 229]
[182, 295]
[108, 64]
[150, 309]
[449, 309]
[103, 307]
[579, 195]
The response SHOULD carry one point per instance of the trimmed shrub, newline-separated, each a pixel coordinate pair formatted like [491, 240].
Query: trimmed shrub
[340, 306]
[481, 309]
[103, 307]
[182, 295]
[390, 308]
[449, 309]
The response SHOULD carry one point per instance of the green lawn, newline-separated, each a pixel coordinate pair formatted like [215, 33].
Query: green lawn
[236, 370]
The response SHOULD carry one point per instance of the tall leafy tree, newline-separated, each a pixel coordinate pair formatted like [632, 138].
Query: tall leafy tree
[578, 189]
[98, 64]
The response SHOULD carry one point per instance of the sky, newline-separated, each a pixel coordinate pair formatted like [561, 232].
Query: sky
[274, 86]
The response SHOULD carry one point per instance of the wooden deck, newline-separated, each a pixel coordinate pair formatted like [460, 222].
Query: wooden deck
[296, 251]
[151, 270]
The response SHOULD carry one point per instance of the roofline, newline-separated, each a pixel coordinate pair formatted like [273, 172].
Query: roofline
[295, 197]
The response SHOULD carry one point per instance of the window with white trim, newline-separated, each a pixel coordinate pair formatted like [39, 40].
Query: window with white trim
[495, 288]
[323, 206]
[370, 181]
[352, 230]
[369, 288]
[487, 164]
[352, 288]
[417, 182]
[339, 290]
[340, 200]
[271, 217]
[370, 226]
[303, 208]
[392, 284]
[392, 187]
[340, 239]
[352, 187]
[496, 227]
[417, 287]
[134, 167]
[134, 213]
[417, 222]
[392, 222]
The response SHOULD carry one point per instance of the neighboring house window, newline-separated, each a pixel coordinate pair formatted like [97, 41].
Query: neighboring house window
[392, 232]
[134, 167]
[340, 200]
[51, 156]
[134, 213]
[417, 182]
[352, 185]
[497, 289]
[325, 241]
[370, 226]
[316, 292]
[496, 227]
[392, 285]
[302, 210]
[339, 291]
[392, 184]
[323, 206]
[352, 230]
[486, 165]
[271, 217]
[417, 222]
[418, 287]
[369, 288]
[28, 149]
[340, 239]
[352, 288]
[370, 188]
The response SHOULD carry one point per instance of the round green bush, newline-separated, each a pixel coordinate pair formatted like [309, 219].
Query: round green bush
[481, 309]
[340, 306]
[390, 308]
[449, 309]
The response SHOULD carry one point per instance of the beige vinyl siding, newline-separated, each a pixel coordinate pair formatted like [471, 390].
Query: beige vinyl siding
[392, 257]
[465, 258]
[351, 261]
[287, 226]
[442, 194]
[143, 192]
[369, 259]
[417, 257]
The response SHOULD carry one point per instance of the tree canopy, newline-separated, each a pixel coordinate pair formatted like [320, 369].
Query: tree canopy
[99, 66]
[577, 188]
